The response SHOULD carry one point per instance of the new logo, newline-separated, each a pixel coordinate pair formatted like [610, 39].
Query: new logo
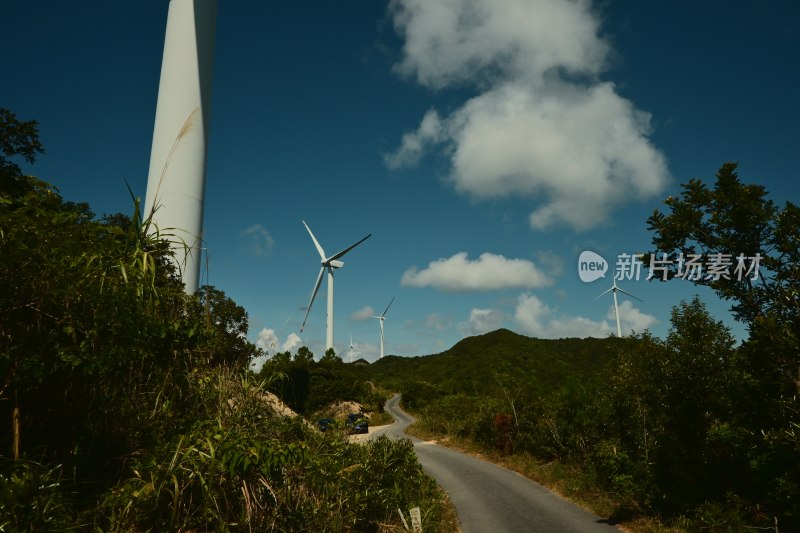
[591, 266]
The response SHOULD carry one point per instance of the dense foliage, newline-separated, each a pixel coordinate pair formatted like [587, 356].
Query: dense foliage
[310, 387]
[129, 402]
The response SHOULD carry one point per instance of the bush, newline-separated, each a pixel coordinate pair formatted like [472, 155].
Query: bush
[32, 498]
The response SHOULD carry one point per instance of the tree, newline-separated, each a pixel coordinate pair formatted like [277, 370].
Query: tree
[226, 322]
[17, 138]
[304, 356]
[670, 398]
[736, 223]
[735, 220]
[330, 357]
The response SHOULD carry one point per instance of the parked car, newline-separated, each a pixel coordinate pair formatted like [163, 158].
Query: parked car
[325, 424]
[357, 423]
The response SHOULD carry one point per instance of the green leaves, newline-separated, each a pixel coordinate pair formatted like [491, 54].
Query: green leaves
[735, 219]
[267, 458]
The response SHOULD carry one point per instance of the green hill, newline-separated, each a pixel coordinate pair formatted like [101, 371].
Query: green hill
[475, 364]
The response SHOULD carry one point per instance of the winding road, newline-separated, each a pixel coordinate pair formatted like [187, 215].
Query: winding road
[489, 498]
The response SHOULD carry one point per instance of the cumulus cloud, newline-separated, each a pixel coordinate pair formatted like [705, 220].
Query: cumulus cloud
[541, 125]
[631, 318]
[538, 319]
[292, 342]
[413, 144]
[488, 272]
[464, 41]
[482, 321]
[268, 341]
[258, 240]
[363, 313]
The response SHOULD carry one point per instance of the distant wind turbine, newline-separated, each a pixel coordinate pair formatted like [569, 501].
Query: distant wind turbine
[351, 347]
[614, 290]
[381, 319]
[329, 263]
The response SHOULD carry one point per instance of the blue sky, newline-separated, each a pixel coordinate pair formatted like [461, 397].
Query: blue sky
[483, 143]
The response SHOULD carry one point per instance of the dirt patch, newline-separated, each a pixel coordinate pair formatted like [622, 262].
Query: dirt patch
[340, 410]
[276, 405]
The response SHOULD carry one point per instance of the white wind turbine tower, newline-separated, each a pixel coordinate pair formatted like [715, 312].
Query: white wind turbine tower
[381, 319]
[176, 179]
[329, 263]
[351, 348]
[614, 290]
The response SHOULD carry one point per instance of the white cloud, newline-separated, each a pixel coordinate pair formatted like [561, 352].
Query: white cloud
[631, 318]
[482, 321]
[488, 272]
[474, 41]
[413, 144]
[538, 319]
[363, 314]
[257, 363]
[258, 240]
[269, 342]
[578, 148]
[292, 341]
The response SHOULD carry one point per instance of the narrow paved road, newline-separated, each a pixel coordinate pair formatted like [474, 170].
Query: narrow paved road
[489, 498]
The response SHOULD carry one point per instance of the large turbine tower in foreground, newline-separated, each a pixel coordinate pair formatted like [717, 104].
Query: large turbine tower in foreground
[176, 180]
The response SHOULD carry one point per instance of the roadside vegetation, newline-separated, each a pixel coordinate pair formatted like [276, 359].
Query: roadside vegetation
[691, 432]
[127, 405]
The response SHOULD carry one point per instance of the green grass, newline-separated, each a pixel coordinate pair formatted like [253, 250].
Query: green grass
[380, 419]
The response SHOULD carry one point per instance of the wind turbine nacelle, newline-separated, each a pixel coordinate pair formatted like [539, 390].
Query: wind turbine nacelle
[336, 264]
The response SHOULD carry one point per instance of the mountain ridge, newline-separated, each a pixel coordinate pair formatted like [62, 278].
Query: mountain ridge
[477, 362]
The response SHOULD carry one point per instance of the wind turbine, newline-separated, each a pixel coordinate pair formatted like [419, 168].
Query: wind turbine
[614, 290]
[381, 319]
[351, 347]
[177, 175]
[329, 263]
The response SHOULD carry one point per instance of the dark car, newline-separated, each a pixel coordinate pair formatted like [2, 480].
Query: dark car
[357, 423]
[325, 424]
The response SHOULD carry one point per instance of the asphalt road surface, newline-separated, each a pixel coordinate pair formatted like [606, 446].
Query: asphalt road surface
[489, 498]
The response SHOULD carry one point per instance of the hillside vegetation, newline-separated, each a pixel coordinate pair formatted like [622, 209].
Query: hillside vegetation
[126, 404]
[498, 360]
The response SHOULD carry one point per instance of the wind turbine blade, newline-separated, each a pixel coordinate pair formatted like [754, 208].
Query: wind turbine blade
[629, 294]
[605, 292]
[340, 254]
[313, 295]
[316, 243]
[388, 306]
